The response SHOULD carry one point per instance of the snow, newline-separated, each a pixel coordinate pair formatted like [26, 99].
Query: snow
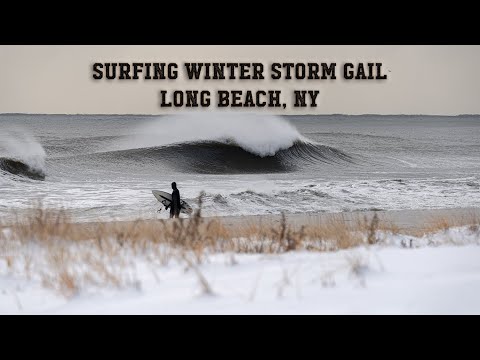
[439, 274]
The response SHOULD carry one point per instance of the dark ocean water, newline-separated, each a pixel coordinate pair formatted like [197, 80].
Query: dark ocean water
[104, 167]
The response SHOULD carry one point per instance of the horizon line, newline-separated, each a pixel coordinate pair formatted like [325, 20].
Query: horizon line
[167, 114]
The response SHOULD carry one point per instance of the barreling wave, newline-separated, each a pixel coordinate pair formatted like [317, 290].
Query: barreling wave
[19, 168]
[217, 143]
[227, 157]
[21, 154]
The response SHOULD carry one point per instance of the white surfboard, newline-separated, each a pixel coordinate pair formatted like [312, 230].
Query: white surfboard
[166, 198]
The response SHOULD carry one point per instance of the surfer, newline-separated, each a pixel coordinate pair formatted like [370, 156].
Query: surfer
[175, 204]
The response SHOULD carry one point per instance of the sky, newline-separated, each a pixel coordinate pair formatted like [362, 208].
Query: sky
[442, 80]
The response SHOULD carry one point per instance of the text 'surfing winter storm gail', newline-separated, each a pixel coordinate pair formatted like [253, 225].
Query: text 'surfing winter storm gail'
[233, 71]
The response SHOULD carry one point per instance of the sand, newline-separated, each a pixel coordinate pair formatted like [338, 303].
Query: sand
[406, 220]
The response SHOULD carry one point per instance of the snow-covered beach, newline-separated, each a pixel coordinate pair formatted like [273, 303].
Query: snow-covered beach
[434, 273]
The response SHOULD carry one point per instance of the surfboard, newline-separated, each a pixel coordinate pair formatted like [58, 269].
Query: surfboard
[166, 198]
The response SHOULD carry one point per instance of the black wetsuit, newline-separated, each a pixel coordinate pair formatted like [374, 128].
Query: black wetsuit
[175, 205]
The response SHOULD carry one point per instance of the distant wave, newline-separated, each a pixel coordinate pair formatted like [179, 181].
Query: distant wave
[21, 154]
[16, 167]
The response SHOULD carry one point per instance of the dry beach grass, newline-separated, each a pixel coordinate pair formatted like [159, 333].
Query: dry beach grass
[69, 257]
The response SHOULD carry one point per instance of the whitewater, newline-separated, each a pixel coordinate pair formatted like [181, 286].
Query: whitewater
[259, 134]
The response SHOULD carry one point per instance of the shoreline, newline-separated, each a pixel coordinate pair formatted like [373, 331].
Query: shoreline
[407, 220]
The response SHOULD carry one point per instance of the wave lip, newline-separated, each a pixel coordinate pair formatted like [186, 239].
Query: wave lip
[263, 135]
[19, 168]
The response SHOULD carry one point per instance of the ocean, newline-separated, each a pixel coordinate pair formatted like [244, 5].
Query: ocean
[103, 167]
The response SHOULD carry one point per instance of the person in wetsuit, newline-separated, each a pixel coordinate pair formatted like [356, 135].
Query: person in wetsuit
[175, 204]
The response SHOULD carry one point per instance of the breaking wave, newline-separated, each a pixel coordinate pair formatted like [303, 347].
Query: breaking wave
[219, 143]
[21, 154]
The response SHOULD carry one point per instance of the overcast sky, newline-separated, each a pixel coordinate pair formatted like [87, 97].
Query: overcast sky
[421, 79]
